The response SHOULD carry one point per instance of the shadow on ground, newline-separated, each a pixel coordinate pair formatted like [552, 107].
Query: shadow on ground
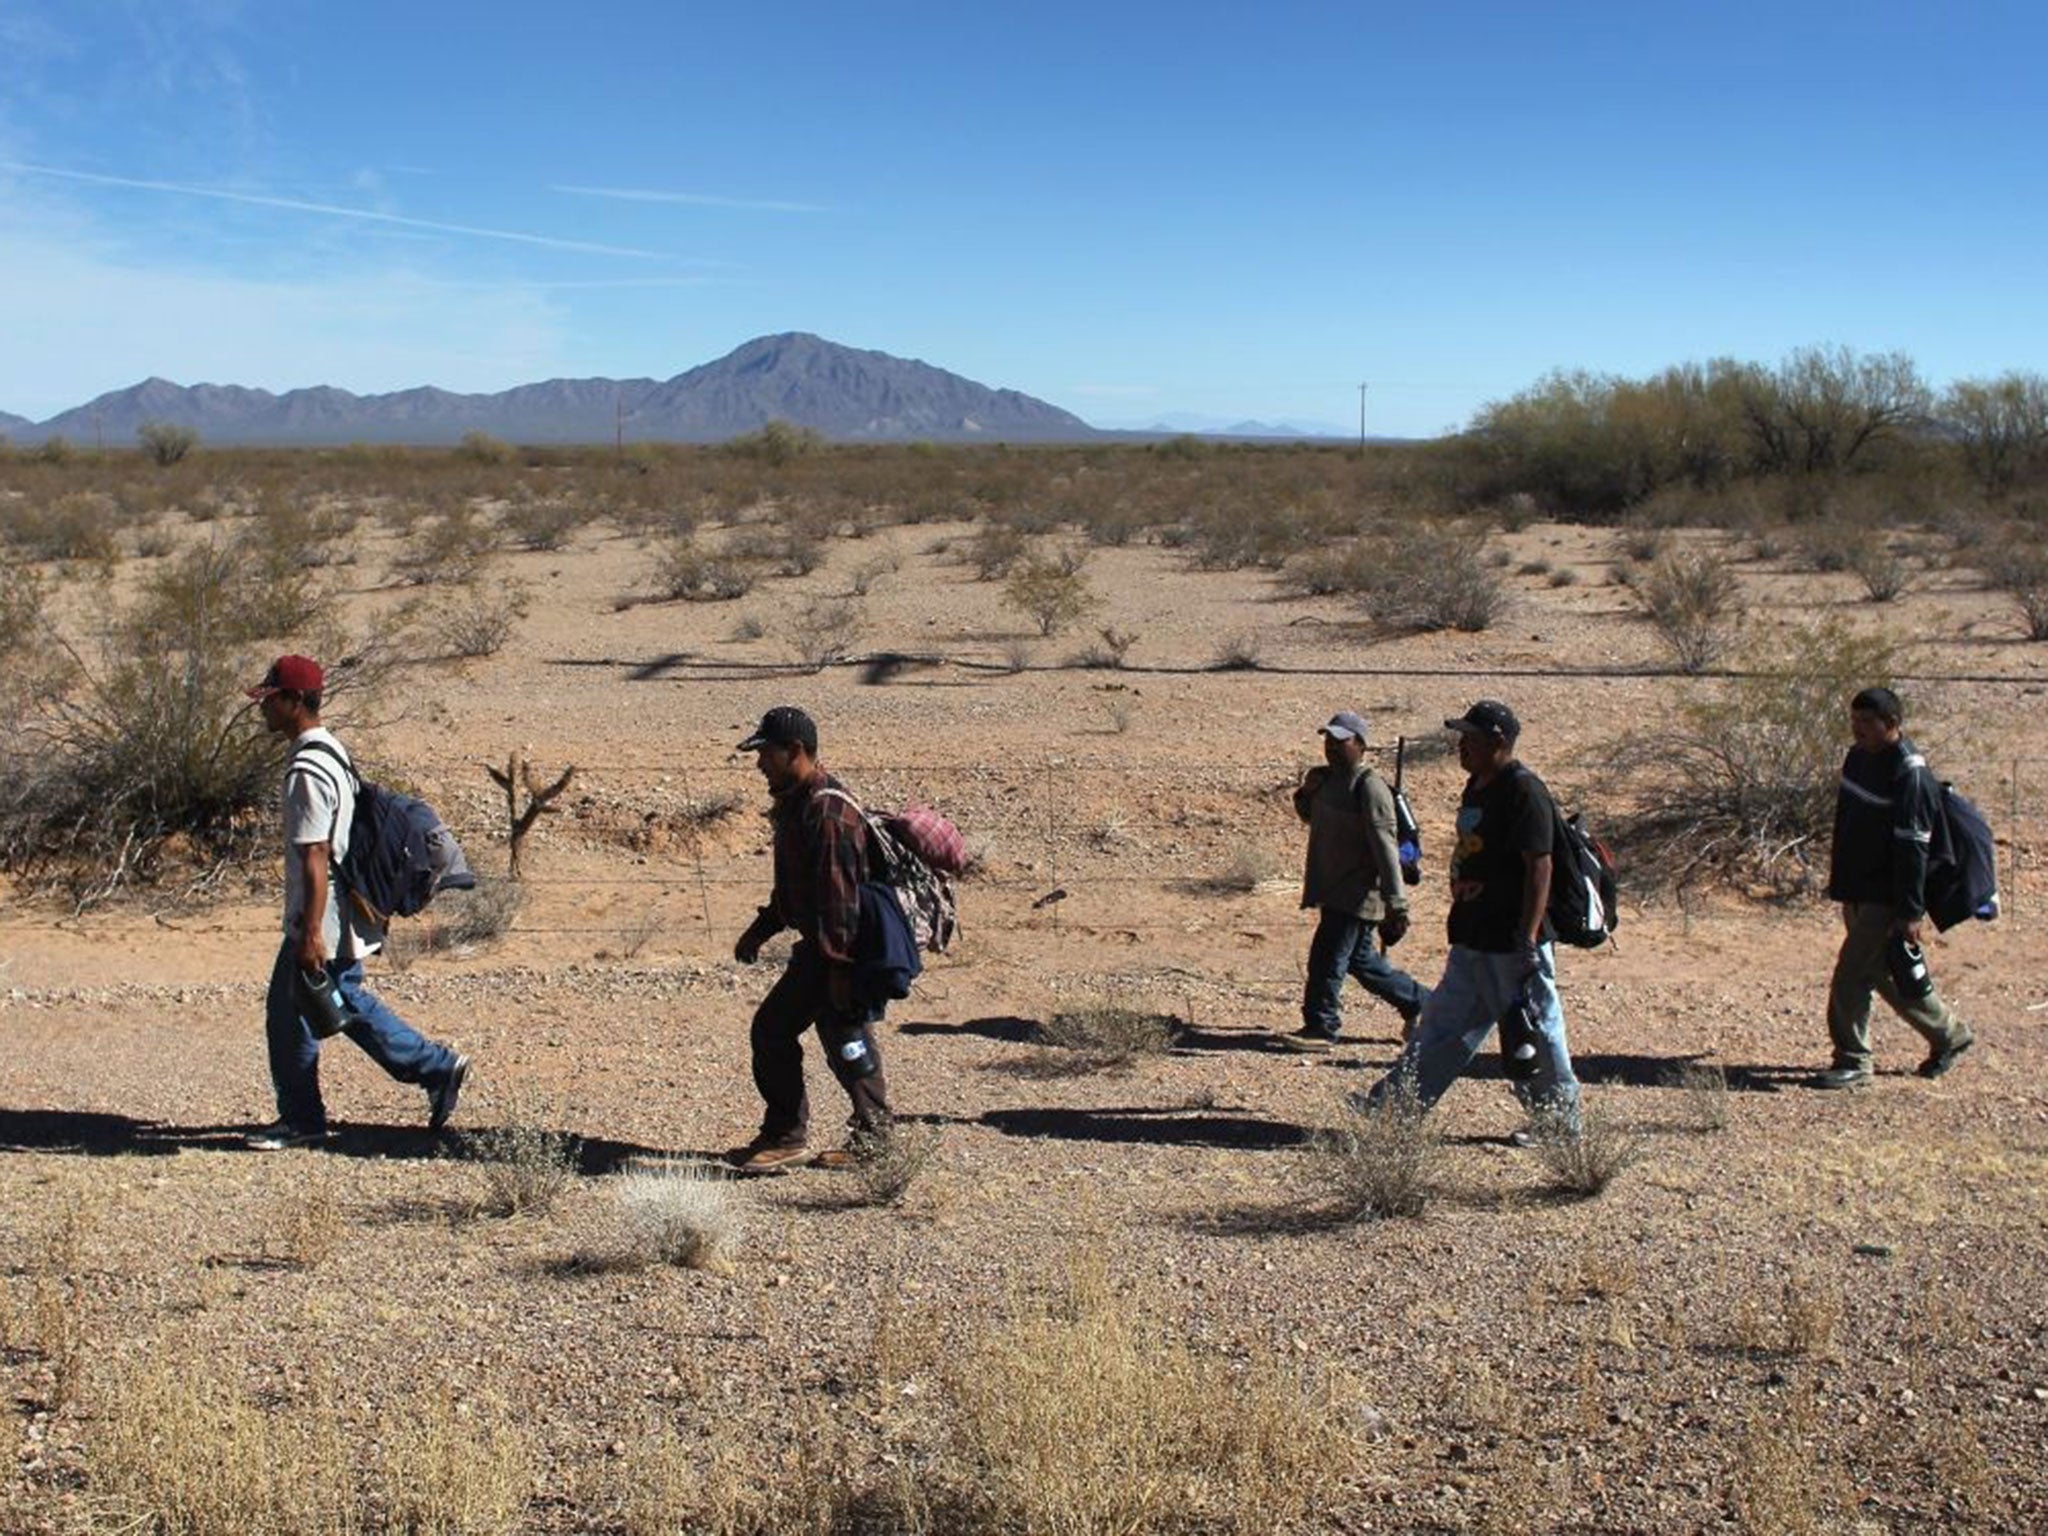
[107, 1135]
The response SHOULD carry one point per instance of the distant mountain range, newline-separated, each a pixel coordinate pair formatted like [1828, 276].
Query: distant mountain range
[1223, 426]
[843, 393]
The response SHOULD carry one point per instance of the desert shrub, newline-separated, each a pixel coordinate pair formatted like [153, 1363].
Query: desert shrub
[1223, 536]
[1239, 652]
[1430, 576]
[524, 1165]
[1642, 542]
[1741, 782]
[777, 443]
[79, 526]
[1880, 568]
[543, 525]
[1084, 1416]
[1330, 569]
[471, 621]
[459, 921]
[887, 1164]
[449, 551]
[785, 549]
[872, 570]
[21, 608]
[482, 448]
[231, 594]
[1245, 870]
[994, 549]
[2021, 571]
[823, 632]
[1583, 1159]
[1107, 651]
[684, 572]
[680, 1213]
[1108, 1033]
[1382, 1160]
[166, 442]
[1695, 601]
[1052, 590]
[150, 757]
[1832, 544]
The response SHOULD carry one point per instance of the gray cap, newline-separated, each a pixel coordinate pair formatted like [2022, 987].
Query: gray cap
[1344, 725]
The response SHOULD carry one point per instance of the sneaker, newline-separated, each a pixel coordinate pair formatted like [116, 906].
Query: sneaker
[441, 1101]
[1307, 1039]
[1843, 1077]
[1522, 1138]
[1938, 1062]
[281, 1135]
[770, 1156]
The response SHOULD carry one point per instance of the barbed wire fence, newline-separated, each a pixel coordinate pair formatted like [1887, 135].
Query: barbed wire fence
[1070, 844]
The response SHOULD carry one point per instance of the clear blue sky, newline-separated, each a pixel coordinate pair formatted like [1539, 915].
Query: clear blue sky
[1127, 209]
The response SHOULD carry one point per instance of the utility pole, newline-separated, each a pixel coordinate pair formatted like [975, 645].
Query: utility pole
[1361, 416]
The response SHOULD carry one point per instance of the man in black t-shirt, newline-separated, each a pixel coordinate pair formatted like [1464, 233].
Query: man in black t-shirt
[1500, 968]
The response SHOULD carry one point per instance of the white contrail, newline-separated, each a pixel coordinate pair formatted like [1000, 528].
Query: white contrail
[693, 199]
[294, 205]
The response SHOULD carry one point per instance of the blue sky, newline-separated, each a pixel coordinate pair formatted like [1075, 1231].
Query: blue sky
[1129, 209]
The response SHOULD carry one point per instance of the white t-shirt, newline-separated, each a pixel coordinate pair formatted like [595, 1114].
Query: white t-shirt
[320, 807]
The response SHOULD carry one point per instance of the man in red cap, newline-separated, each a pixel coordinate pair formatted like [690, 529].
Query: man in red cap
[318, 977]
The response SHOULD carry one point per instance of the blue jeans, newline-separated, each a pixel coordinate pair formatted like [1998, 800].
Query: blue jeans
[1343, 946]
[393, 1044]
[1477, 988]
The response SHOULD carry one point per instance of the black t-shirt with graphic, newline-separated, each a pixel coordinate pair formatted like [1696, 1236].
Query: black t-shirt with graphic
[1497, 825]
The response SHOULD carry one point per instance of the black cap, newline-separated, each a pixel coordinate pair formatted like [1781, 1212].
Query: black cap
[784, 726]
[1489, 717]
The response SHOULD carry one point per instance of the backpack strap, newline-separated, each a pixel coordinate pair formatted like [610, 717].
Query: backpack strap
[355, 780]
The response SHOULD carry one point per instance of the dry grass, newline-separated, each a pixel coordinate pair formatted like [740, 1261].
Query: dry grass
[1087, 1417]
[1777, 1485]
[177, 1449]
[1379, 1162]
[1703, 1088]
[1107, 1033]
[306, 1224]
[688, 1214]
[453, 1467]
[1584, 1162]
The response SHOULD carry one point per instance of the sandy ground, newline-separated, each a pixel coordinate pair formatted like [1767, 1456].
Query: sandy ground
[1509, 1360]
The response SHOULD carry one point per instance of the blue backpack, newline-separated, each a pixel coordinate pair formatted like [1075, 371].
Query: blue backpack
[1962, 866]
[400, 851]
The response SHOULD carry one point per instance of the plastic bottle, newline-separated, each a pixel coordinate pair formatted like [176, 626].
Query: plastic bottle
[1907, 963]
[322, 1006]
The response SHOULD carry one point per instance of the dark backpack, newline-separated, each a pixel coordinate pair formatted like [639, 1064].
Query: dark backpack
[1962, 867]
[400, 851]
[1583, 892]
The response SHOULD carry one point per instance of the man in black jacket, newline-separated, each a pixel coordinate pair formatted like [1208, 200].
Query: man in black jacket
[1887, 816]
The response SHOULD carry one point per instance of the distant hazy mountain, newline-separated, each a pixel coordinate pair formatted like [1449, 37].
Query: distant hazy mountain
[841, 392]
[1223, 426]
[11, 425]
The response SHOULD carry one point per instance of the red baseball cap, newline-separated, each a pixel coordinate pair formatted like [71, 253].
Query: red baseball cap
[290, 674]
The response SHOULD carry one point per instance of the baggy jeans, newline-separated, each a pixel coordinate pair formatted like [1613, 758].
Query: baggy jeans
[1343, 946]
[799, 999]
[1478, 986]
[402, 1051]
[1859, 971]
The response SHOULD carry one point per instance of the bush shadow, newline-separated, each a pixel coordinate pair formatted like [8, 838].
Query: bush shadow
[1138, 1125]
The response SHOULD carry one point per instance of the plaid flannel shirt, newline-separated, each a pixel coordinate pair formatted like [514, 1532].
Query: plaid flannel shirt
[820, 861]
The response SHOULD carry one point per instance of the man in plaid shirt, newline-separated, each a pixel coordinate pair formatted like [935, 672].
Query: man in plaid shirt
[820, 861]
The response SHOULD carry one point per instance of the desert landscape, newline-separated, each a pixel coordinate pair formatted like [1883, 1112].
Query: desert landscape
[1128, 1271]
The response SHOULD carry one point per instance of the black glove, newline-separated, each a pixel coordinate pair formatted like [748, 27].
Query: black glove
[1394, 928]
[763, 928]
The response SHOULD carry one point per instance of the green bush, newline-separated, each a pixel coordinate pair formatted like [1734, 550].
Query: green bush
[1051, 589]
[1695, 600]
[1430, 576]
[1740, 785]
[166, 442]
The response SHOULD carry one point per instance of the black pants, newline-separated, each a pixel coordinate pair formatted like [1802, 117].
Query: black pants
[796, 1002]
